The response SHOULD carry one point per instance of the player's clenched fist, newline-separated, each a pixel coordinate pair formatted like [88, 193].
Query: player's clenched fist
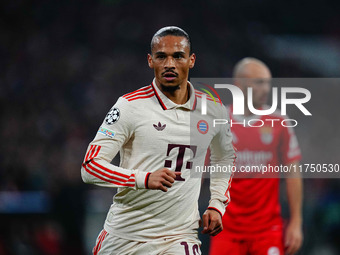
[212, 222]
[162, 179]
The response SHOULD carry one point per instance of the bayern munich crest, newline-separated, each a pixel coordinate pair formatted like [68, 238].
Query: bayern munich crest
[112, 116]
[202, 127]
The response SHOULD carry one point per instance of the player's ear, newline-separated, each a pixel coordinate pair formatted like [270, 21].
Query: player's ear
[150, 61]
[192, 60]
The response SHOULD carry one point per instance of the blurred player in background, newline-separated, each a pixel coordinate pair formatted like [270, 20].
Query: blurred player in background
[156, 208]
[252, 223]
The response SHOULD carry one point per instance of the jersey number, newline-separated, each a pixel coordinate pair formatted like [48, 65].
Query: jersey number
[195, 249]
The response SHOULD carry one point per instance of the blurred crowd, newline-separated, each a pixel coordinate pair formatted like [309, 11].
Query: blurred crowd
[63, 64]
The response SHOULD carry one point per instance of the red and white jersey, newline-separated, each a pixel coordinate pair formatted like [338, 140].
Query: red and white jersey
[151, 132]
[255, 207]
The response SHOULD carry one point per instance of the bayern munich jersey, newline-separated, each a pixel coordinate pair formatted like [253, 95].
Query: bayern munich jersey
[151, 132]
[255, 207]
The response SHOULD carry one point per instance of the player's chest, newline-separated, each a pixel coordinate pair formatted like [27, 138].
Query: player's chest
[172, 126]
[265, 138]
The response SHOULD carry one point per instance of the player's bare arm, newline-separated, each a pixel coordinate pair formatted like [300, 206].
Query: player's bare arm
[294, 235]
[162, 179]
[212, 222]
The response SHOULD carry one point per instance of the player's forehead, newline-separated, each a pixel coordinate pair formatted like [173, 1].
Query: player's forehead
[170, 43]
[256, 71]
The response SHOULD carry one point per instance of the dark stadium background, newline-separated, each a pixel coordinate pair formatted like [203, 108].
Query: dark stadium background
[63, 64]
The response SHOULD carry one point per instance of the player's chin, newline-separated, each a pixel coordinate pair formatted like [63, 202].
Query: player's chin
[170, 85]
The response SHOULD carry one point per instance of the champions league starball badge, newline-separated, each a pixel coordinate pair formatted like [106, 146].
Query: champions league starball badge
[112, 116]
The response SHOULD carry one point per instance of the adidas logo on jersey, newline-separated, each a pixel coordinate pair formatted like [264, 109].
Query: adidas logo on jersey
[159, 127]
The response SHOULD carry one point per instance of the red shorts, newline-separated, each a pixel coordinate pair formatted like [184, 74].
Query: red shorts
[266, 245]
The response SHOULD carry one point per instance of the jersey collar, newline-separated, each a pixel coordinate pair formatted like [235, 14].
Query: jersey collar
[167, 104]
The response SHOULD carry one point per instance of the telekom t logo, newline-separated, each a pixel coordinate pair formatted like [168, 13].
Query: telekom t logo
[238, 100]
[180, 157]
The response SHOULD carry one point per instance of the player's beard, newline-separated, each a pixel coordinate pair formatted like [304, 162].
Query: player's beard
[169, 88]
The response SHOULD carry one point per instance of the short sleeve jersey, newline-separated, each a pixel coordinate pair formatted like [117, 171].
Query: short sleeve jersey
[255, 207]
[151, 132]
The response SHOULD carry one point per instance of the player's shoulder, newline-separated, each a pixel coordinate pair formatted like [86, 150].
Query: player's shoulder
[213, 104]
[136, 97]
[139, 93]
[129, 103]
[210, 98]
[286, 122]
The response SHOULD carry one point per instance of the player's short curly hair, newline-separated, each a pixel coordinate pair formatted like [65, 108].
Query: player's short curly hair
[171, 30]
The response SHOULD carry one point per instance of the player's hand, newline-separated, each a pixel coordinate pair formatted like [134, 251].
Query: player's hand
[162, 179]
[293, 238]
[212, 222]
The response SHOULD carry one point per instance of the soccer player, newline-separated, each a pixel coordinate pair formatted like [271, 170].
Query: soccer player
[155, 210]
[252, 223]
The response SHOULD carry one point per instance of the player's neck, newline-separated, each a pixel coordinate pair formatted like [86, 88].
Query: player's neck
[178, 96]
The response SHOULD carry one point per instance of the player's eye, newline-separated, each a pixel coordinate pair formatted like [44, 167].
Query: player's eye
[160, 56]
[262, 82]
[178, 55]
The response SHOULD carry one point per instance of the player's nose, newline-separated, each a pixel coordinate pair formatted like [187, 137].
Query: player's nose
[169, 62]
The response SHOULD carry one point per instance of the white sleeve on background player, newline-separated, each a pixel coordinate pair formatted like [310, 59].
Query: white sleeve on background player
[222, 155]
[114, 132]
